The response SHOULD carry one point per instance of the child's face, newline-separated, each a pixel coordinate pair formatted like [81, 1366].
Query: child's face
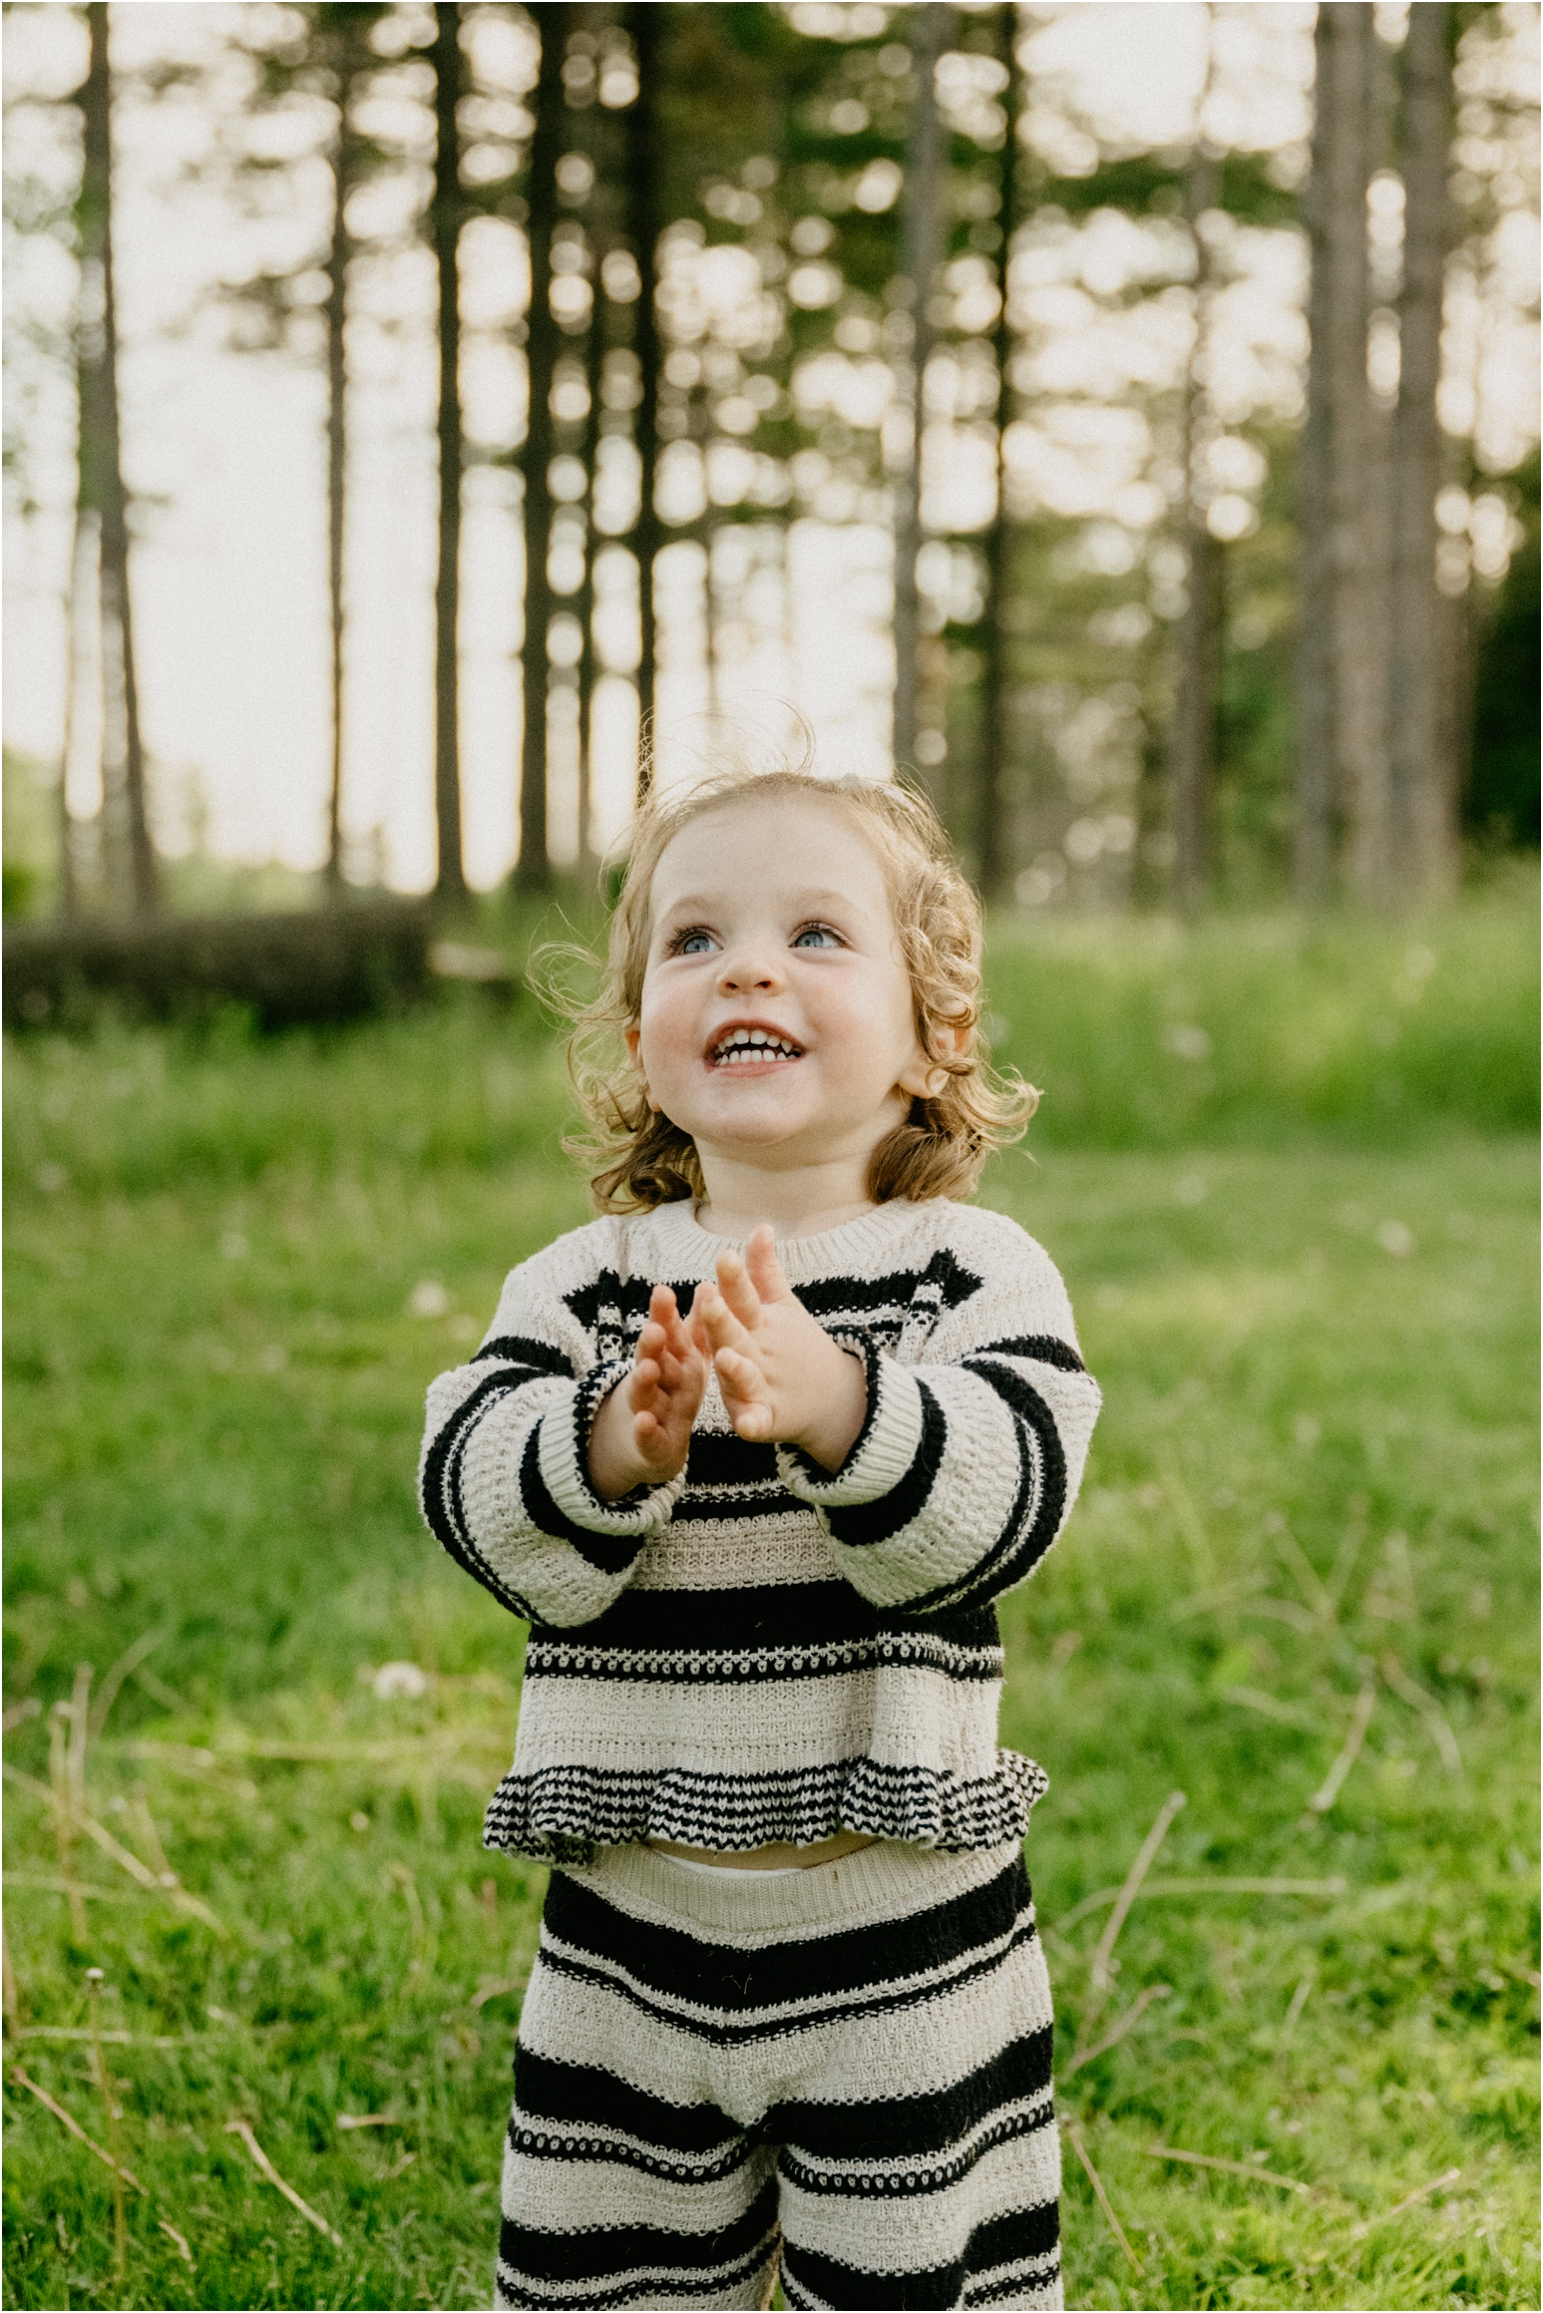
[772, 919]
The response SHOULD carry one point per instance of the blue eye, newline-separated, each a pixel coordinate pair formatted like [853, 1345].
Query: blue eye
[694, 944]
[816, 935]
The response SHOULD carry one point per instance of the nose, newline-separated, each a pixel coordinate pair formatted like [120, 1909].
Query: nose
[748, 966]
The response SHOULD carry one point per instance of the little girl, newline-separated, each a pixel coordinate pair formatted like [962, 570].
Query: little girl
[755, 1454]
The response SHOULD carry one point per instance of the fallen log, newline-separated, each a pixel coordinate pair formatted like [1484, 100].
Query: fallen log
[334, 964]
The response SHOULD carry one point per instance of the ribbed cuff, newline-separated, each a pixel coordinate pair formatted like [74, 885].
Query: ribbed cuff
[563, 1453]
[885, 1447]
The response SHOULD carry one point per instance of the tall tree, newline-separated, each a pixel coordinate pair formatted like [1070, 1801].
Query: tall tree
[450, 876]
[318, 57]
[543, 343]
[645, 222]
[1424, 796]
[1192, 747]
[923, 227]
[100, 492]
[1313, 845]
[995, 726]
[82, 611]
[601, 150]
[343, 36]
[1341, 745]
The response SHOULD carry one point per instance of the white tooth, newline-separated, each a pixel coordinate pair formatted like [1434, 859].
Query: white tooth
[759, 1036]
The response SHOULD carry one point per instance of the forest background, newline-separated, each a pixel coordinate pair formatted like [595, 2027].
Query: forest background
[1217, 575]
[404, 406]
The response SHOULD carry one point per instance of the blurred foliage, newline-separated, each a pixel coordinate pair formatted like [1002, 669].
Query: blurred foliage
[1501, 805]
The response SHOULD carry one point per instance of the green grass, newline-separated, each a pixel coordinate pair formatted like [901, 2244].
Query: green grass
[1312, 1316]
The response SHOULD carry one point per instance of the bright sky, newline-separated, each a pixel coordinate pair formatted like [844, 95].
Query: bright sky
[225, 450]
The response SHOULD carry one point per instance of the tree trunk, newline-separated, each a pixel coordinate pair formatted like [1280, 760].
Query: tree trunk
[101, 486]
[922, 231]
[1341, 746]
[337, 471]
[1192, 755]
[644, 224]
[543, 341]
[1424, 788]
[450, 880]
[594, 376]
[83, 601]
[1359, 602]
[995, 731]
[1313, 834]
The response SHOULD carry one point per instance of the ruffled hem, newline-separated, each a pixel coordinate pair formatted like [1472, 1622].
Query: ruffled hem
[562, 1814]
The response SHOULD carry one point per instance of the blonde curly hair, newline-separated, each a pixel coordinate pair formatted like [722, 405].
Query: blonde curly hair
[639, 1159]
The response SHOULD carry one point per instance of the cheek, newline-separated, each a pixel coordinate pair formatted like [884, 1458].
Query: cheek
[663, 1028]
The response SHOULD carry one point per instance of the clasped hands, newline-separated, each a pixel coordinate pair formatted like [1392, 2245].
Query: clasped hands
[784, 1381]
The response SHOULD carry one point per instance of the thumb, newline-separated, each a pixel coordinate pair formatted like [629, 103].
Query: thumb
[763, 1267]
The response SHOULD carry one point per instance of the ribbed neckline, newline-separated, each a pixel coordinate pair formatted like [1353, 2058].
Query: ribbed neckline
[827, 1253]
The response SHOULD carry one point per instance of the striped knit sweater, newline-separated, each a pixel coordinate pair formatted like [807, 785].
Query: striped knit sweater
[763, 1650]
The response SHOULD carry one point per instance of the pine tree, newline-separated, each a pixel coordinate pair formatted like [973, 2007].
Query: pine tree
[1192, 745]
[923, 230]
[645, 222]
[102, 500]
[450, 875]
[543, 342]
[1424, 797]
[995, 725]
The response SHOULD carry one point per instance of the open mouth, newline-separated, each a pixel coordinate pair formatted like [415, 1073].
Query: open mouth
[752, 1048]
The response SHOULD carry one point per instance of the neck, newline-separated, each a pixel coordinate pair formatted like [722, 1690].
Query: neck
[798, 1201]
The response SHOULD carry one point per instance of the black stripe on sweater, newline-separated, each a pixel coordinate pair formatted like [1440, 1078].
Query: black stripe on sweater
[1044, 1348]
[719, 1458]
[612, 1303]
[562, 1813]
[607, 1553]
[524, 1349]
[1039, 1505]
[440, 1492]
[763, 1666]
[762, 1614]
[944, 1284]
[867, 1523]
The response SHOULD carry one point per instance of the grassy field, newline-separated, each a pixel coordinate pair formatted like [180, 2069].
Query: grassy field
[1289, 1180]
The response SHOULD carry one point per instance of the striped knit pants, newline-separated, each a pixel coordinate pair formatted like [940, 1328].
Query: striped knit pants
[838, 2077]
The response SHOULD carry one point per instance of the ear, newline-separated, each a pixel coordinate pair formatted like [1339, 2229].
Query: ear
[922, 1077]
[633, 1038]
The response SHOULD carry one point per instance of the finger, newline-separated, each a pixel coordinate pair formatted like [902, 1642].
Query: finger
[663, 1311]
[740, 1378]
[749, 1412]
[763, 1267]
[643, 1385]
[681, 1377]
[738, 1292]
[722, 1328]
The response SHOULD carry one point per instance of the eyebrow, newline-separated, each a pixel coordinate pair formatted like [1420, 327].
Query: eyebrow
[694, 904]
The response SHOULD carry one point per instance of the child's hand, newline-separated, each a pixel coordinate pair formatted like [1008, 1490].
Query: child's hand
[783, 1378]
[642, 1433]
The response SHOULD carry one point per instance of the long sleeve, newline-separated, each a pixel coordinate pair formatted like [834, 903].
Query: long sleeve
[504, 1476]
[971, 1454]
